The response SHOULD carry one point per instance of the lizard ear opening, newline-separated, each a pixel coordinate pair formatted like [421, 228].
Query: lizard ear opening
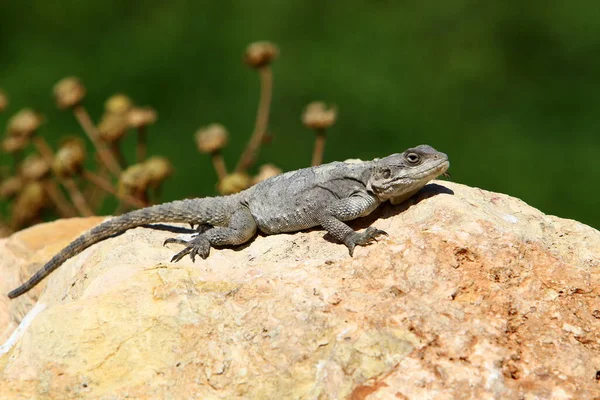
[379, 180]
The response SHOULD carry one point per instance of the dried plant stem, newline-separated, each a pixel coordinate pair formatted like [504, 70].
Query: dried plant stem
[54, 192]
[262, 119]
[142, 146]
[116, 151]
[44, 149]
[82, 206]
[105, 185]
[64, 208]
[95, 194]
[219, 164]
[317, 157]
[106, 157]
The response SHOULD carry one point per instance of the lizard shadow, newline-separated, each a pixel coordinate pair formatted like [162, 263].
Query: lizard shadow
[170, 228]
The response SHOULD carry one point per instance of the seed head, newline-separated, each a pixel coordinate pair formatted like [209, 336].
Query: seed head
[139, 117]
[10, 187]
[13, 144]
[134, 180]
[211, 138]
[24, 123]
[234, 183]
[3, 101]
[317, 116]
[69, 158]
[113, 127]
[260, 54]
[265, 172]
[34, 168]
[118, 104]
[28, 204]
[69, 92]
[159, 169]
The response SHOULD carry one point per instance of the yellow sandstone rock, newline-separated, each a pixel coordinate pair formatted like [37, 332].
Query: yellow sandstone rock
[474, 295]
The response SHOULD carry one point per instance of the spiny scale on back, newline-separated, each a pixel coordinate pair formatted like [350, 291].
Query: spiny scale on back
[325, 196]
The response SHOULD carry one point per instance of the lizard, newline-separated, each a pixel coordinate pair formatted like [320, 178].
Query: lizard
[326, 195]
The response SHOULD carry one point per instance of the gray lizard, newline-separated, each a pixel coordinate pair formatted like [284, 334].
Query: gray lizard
[324, 195]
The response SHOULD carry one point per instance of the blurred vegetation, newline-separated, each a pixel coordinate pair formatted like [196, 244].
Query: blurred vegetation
[510, 90]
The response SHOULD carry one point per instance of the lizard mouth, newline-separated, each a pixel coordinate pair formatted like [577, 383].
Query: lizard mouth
[430, 173]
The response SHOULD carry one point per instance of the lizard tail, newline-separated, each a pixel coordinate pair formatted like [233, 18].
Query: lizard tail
[197, 211]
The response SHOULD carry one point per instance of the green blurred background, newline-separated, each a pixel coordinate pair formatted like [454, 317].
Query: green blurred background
[510, 90]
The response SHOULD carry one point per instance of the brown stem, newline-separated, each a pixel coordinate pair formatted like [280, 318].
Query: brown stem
[58, 198]
[141, 144]
[54, 193]
[93, 193]
[91, 131]
[77, 197]
[118, 154]
[219, 164]
[317, 158]
[262, 119]
[105, 185]
[44, 149]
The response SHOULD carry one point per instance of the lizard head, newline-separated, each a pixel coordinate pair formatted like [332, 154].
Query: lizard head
[403, 174]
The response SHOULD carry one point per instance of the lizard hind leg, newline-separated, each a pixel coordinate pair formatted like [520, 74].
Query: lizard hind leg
[240, 229]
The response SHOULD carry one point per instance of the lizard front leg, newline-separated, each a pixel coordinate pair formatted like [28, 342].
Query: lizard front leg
[357, 205]
[241, 228]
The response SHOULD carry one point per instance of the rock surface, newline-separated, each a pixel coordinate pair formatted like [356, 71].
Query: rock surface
[474, 295]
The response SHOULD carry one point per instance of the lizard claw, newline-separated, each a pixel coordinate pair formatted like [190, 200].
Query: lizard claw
[174, 240]
[198, 246]
[363, 238]
[180, 255]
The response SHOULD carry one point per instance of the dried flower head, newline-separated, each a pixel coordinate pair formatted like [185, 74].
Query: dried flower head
[69, 92]
[159, 169]
[211, 138]
[34, 168]
[118, 104]
[265, 172]
[141, 116]
[112, 127]
[28, 204]
[260, 54]
[13, 144]
[24, 123]
[234, 183]
[69, 158]
[3, 101]
[134, 180]
[316, 115]
[10, 187]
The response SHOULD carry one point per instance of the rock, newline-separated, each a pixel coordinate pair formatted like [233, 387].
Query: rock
[474, 295]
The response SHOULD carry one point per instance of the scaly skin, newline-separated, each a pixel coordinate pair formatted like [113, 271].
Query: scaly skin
[326, 195]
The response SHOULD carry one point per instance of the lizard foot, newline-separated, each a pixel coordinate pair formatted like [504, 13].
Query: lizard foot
[198, 246]
[363, 238]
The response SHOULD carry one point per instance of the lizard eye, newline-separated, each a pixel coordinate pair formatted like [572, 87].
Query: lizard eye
[413, 158]
[386, 173]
